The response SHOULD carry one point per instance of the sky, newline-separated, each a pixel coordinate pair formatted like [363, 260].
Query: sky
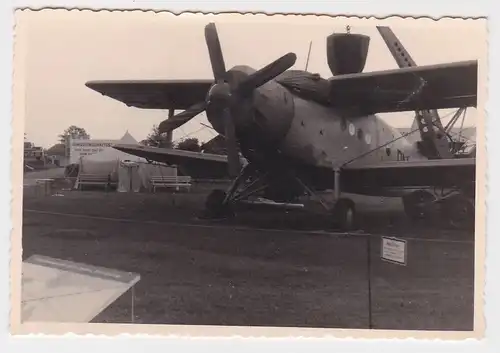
[65, 49]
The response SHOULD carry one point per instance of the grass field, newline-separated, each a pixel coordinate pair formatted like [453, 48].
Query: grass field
[281, 274]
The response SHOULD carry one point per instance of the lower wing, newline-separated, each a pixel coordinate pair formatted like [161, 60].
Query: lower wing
[446, 173]
[195, 164]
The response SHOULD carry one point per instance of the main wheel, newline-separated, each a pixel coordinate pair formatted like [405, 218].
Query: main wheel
[215, 207]
[345, 214]
[417, 205]
[459, 212]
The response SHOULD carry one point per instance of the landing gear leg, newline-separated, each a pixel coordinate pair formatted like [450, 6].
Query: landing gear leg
[219, 204]
[344, 211]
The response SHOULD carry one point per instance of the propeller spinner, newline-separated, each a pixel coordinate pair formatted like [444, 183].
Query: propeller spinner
[223, 97]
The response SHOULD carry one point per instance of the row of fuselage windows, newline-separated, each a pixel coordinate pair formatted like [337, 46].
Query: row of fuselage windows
[368, 139]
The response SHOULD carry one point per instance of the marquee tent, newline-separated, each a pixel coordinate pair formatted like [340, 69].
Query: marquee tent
[131, 173]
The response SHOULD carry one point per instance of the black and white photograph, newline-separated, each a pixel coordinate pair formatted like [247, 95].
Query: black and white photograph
[235, 171]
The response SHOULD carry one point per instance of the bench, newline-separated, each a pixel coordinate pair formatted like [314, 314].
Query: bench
[176, 182]
[95, 179]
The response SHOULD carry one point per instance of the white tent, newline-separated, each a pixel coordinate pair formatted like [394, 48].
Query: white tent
[107, 160]
[132, 173]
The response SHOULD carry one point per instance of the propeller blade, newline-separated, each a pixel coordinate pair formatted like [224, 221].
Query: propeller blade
[180, 119]
[267, 73]
[215, 52]
[231, 144]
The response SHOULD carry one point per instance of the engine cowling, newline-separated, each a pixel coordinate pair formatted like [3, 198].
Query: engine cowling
[346, 52]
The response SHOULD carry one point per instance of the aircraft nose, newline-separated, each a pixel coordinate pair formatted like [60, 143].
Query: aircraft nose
[274, 111]
[264, 116]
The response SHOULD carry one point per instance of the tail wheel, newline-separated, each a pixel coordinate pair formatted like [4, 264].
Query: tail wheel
[215, 207]
[417, 205]
[345, 214]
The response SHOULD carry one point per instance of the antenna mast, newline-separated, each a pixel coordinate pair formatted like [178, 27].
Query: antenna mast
[308, 55]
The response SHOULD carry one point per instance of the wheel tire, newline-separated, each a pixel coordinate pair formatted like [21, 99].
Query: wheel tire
[345, 214]
[414, 205]
[459, 212]
[214, 207]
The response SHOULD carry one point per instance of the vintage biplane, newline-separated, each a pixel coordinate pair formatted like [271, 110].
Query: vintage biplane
[302, 134]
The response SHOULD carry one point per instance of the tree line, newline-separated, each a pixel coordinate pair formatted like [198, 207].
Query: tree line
[155, 139]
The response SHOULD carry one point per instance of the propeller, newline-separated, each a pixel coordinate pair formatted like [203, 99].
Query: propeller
[223, 98]
[226, 97]
[180, 119]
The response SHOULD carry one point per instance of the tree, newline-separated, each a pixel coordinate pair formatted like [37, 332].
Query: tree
[189, 144]
[156, 139]
[74, 132]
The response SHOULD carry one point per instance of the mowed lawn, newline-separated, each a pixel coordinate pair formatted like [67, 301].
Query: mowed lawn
[226, 273]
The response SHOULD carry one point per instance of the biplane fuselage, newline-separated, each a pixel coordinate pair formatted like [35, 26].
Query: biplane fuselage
[311, 134]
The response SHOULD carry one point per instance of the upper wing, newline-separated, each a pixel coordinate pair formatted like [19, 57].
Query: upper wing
[154, 94]
[438, 172]
[442, 86]
[195, 164]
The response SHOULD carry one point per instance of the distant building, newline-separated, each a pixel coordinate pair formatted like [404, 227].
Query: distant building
[34, 156]
[57, 155]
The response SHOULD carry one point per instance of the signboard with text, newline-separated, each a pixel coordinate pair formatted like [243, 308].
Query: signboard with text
[394, 250]
[81, 148]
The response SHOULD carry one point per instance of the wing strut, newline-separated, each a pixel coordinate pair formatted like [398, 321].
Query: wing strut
[435, 144]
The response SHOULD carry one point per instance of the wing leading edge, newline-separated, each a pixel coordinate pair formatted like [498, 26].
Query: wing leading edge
[154, 94]
[195, 164]
[442, 86]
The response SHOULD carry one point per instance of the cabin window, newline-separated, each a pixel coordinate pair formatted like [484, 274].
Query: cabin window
[388, 151]
[352, 129]
[368, 139]
[321, 132]
[302, 123]
[343, 124]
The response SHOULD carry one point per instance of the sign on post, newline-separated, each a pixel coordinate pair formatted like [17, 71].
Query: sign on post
[394, 250]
